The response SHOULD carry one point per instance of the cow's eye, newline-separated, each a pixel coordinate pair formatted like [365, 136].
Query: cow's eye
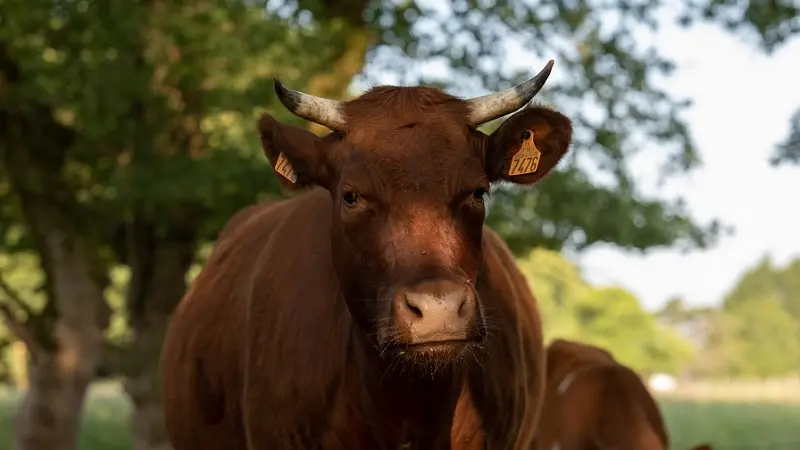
[350, 198]
[479, 194]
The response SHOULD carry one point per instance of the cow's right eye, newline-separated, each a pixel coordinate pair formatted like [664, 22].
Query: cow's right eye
[479, 194]
[350, 198]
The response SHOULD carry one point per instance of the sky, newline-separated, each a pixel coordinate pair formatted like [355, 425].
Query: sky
[742, 104]
[743, 101]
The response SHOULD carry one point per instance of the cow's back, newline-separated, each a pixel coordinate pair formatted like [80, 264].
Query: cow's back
[590, 397]
[203, 353]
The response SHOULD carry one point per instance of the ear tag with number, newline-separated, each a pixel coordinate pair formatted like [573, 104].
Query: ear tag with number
[526, 160]
[284, 167]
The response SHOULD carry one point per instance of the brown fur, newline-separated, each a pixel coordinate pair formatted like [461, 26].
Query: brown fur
[290, 338]
[592, 402]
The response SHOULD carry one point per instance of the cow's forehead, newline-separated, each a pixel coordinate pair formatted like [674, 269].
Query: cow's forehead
[425, 157]
[390, 135]
[377, 115]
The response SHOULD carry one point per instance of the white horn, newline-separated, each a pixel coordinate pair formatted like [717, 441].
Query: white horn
[491, 106]
[323, 111]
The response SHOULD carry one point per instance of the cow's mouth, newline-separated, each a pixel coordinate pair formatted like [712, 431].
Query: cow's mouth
[439, 345]
[435, 351]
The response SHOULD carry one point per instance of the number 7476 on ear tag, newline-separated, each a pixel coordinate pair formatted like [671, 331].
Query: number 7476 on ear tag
[526, 160]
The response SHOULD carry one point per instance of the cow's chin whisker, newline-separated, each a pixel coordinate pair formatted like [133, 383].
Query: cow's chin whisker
[430, 359]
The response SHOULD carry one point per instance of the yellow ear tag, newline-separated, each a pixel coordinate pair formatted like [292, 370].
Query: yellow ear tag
[284, 167]
[526, 160]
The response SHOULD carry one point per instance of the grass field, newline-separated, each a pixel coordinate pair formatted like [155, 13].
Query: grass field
[728, 425]
[105, 422]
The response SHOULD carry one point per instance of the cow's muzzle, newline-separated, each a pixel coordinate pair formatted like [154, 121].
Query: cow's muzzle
[435, 313]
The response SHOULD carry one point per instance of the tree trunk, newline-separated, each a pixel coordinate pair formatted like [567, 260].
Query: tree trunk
[49, 416]
[158, 282]
[64, 355]
[66, 339]
[143, 385]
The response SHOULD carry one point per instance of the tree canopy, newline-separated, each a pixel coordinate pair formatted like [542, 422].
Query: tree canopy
[609, 316]
[756, 330]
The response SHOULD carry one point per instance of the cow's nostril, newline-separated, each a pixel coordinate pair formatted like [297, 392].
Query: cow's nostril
[466, 305]
[413, 308]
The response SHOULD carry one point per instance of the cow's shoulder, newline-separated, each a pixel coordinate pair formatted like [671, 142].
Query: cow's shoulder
[261, 218]
[566, 356]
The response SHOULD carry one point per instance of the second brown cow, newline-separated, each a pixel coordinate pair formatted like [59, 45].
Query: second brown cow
[592, 402]
[358, 314]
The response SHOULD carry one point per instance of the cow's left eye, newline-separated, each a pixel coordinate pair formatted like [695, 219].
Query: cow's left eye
[479, 194]
[350, 198]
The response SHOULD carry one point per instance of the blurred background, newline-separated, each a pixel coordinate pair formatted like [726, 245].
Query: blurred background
[668, 236]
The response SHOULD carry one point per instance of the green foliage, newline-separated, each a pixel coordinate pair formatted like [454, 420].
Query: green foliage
[601, 214]
[556, 283]
[22, 273]
[155, 106]
[163, 102]
[609, 317]
[763, 312]
[765, 280]
[756, 331]
[788, 151]
[768, 339]
[118, 331]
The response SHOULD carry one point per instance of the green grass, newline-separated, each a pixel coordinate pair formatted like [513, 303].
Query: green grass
[727, 425]
[732, 425]
[105, 422]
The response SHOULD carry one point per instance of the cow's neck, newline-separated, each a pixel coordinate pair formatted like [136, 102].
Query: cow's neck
[415, 410]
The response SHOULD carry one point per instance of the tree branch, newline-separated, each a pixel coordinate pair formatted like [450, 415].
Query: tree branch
[14, 296]
[20, 330]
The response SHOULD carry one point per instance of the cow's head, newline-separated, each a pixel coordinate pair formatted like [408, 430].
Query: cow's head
[408, 175]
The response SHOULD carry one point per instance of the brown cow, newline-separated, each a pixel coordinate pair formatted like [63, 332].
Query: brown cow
[592, 402]
[354, 315]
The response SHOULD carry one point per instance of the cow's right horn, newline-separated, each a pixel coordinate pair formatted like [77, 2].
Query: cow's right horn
[491, 106]
[323, 111]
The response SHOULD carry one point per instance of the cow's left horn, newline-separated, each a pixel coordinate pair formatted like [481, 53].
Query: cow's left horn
[498, 104]
[323, 111]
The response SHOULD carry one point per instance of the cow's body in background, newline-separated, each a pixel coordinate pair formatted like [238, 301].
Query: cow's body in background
[593, 402]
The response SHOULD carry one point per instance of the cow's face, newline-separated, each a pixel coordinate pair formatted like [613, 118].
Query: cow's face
[409, 176]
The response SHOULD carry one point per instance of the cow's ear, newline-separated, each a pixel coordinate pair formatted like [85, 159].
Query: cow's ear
[528, 145]
[299, 157]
